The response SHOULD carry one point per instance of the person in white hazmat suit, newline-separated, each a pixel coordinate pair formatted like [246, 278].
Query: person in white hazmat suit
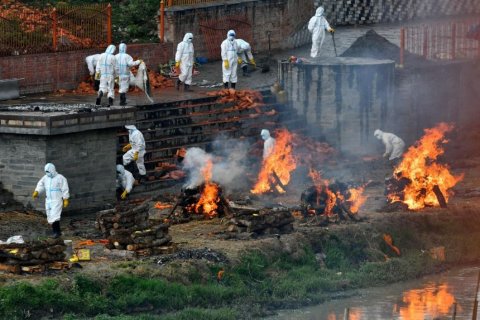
[317, 26]
[268, 144]
[91, 62]
[125, 181]
[105, 71]
[244, 56]
[394, 146]
[229, 49]
[57, 194]
[123, 63]
[184, 60]
[135, 150]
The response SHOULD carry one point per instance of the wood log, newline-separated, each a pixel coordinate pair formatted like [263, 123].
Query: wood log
[11, 268]
[441, 199]
[145, 240]
[120, 232]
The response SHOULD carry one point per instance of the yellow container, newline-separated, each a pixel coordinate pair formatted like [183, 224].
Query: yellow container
[83, 254]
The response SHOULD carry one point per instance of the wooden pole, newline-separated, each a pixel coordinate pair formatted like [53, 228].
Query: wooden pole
[454, 316]
[170, 3]
[475, 304]
[109, 24]
[425, 42]
[454, 40]
[402, 46]
[54, 29]
[162, 21]
[346, 314]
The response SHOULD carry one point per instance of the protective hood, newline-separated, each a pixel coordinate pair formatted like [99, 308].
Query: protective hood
[50, 170]
[378, 134]
[122, 48]
[265, 134]
[319, 12]
[131, 127]
[120, 169]
[188, 37]
[110, 49]
[231, 34]
[244, 45]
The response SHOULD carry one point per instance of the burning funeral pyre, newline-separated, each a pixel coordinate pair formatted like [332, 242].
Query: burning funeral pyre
[419, 180]
[132, 230]
[33, 256]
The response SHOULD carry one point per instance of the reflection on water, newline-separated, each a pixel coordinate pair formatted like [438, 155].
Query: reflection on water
[429, 298]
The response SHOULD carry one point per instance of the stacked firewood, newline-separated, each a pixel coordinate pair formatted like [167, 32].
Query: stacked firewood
[17, 257]
[132, 230]
[261, 222]
[241, 99]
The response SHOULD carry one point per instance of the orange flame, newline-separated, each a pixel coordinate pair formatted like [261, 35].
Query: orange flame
[280, 162]
[207, 204]
[161, 205]
[432, 300]
[419, 166]
[356, 198]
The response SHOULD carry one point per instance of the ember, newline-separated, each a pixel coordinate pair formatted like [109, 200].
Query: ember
[207, 204]
[276, 168]
[420, 180]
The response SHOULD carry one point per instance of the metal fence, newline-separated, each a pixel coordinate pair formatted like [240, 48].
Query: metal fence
[459, 39]
[214, 31]
[27, 30]
[171, 3]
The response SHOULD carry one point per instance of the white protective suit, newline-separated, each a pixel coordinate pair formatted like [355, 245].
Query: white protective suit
[268, 144]
[229, 52]
[244, 52]
[123, 63]
[394, 146]
[184, 54]
[317, 26]
[125, 179]
[136, 140]
[106, 66]
[91, 62]
[55, 187]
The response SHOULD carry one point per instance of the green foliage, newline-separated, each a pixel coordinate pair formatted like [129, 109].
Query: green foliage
[134, 21]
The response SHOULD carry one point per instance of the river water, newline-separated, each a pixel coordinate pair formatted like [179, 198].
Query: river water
[428, 298]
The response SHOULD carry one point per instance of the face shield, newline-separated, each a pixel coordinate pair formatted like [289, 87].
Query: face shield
[231, 36]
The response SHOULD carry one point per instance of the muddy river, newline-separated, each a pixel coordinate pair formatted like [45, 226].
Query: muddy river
[428, 298]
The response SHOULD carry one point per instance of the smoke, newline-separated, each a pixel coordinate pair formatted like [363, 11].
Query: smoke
[228, 157]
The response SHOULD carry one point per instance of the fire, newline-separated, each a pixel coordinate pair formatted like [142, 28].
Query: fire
[279, 164]
[207, 204]
[420, 167]
[432, 301]
[161, 205]
[355, 198]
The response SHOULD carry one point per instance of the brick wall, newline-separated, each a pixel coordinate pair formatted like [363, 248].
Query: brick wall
[90, 173]
[64, 70]
[287, 19]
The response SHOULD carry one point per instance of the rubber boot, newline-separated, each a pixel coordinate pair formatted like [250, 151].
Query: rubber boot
[110, 102]
[245, 71]
[187, 87]
[177, 84]
[225, 85]
[99, 98]
[123, 99]
[56, 229]
[232, 85]
[96, 85]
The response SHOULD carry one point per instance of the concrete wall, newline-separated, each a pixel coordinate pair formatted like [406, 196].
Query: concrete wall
[287, 19]
[65, 70]
[343, 100]
[90, 173]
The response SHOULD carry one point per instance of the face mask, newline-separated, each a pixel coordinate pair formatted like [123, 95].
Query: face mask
[49, 174]
[231, 38]
[189, 40]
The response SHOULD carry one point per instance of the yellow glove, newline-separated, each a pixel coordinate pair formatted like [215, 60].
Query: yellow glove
[124, 195]
[97, 76]
[65, 203]
[141, 61]
[135, 156]
[74, 258]
[252, 62]
[127, 147]
[35, 194]
[331, 30]
[239, 60]
[177, 64]
[226, 64]
[117, 79]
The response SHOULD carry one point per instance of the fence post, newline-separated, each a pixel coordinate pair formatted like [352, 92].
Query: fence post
[454, 40]
[402, 46]
[425, 42]
[162, 21]
[170, 3]
[109, 24]
[54, 29]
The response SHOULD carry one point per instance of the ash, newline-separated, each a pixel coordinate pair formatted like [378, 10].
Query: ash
[59, 107]
[197, 254]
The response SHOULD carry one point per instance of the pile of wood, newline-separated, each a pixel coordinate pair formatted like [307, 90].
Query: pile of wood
[241, 99]
[256, 222]
[133, 231]
[34, 256]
